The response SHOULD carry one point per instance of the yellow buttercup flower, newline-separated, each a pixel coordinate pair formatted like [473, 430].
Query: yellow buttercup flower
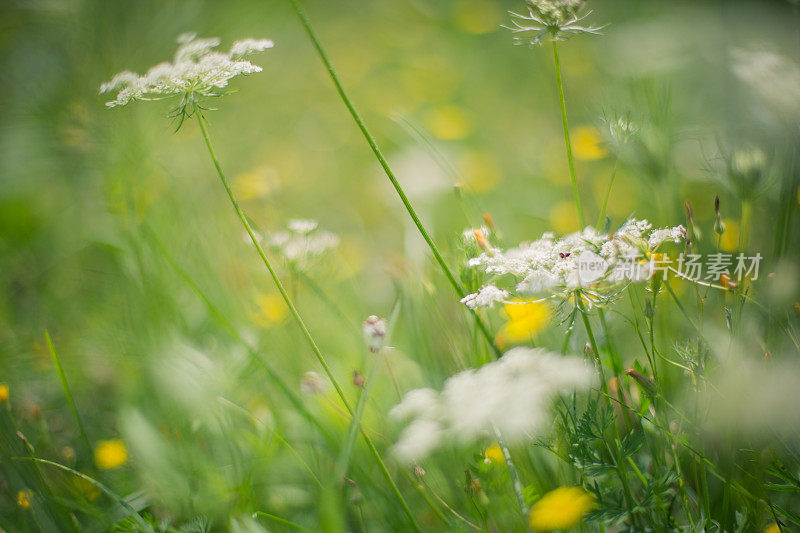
[772, 528]
[562, 508]
[25, 499]
[493, 454]
[5, 393]
[110, 454]
[525, 319]
[587, 143]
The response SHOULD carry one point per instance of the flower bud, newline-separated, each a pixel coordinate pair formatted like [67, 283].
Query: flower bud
[650, 387]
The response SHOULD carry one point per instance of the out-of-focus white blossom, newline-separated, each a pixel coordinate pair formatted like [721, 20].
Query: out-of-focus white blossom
[772, 77]
[374, 329]
[581, 260]
[487, 296]
[196, 71]
[302, 242]
[512, 395]
[560, 19]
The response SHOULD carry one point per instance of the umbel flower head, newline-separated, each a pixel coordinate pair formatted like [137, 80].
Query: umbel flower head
[303, 242]
[196, 72]
[560, 19]
[512, 395]
[596, 263]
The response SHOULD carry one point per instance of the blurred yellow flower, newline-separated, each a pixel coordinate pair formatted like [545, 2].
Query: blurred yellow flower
[587, 143]
[772, 528]
[449, 123]
[562, 508]
[480, 170]
[477, 16]
[110, 454]
[564, 218]
[5, 393]
[525, 319]
[494, 454]
[270, 310]
[729, 241]
[254, 184]
[25, 499]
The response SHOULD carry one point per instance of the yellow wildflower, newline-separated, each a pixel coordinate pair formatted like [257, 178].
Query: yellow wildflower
[587, 143]
[25, 499]
[564, 218]
[772, 528]
[110, 454]
[525, 319]
[5, 393]
[449, 123]
[493, 454]
[729, 241]
[562, 508]
[270, 310]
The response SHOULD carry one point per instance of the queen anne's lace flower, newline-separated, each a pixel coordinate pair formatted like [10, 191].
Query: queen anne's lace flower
[303, 242]
[486, 297]
[512, 395]
[583, 260]
[560, 19]
[196, 71]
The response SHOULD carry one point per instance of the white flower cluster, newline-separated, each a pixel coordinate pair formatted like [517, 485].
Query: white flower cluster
[586, 259]
[558, 18]
[303, 242]
[512, 395]
[196, 71]
[487, 296]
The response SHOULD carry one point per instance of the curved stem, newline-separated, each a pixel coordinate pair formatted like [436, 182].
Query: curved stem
[293, 310]
[567, 142]
[389, 174]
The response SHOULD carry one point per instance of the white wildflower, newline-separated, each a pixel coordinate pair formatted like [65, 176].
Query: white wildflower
[196, 72]
[374, 329]
[487, 296]
[560, 19]
[303, 226]
[583, 260]
[512, 395]
[303, 242]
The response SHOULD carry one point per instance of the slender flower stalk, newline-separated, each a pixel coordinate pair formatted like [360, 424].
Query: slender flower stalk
[388, 171]
[296, 315]
[567, 143]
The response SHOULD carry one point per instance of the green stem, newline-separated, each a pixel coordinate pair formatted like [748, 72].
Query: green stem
[567, 142]
[293, 310]
[608, 195]
[282, 521]
[65, 385]
[512, 473]
[388, 171]
[613, 446]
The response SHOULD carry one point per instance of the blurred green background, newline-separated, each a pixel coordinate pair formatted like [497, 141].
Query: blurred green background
[111, 222]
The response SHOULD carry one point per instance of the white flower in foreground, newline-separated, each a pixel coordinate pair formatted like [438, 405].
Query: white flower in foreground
[586, 260]
[512, 395]
[196, 72]
[486, 297]
[303, 242]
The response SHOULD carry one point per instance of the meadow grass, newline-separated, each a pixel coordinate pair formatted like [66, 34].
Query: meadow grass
[482, 361]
